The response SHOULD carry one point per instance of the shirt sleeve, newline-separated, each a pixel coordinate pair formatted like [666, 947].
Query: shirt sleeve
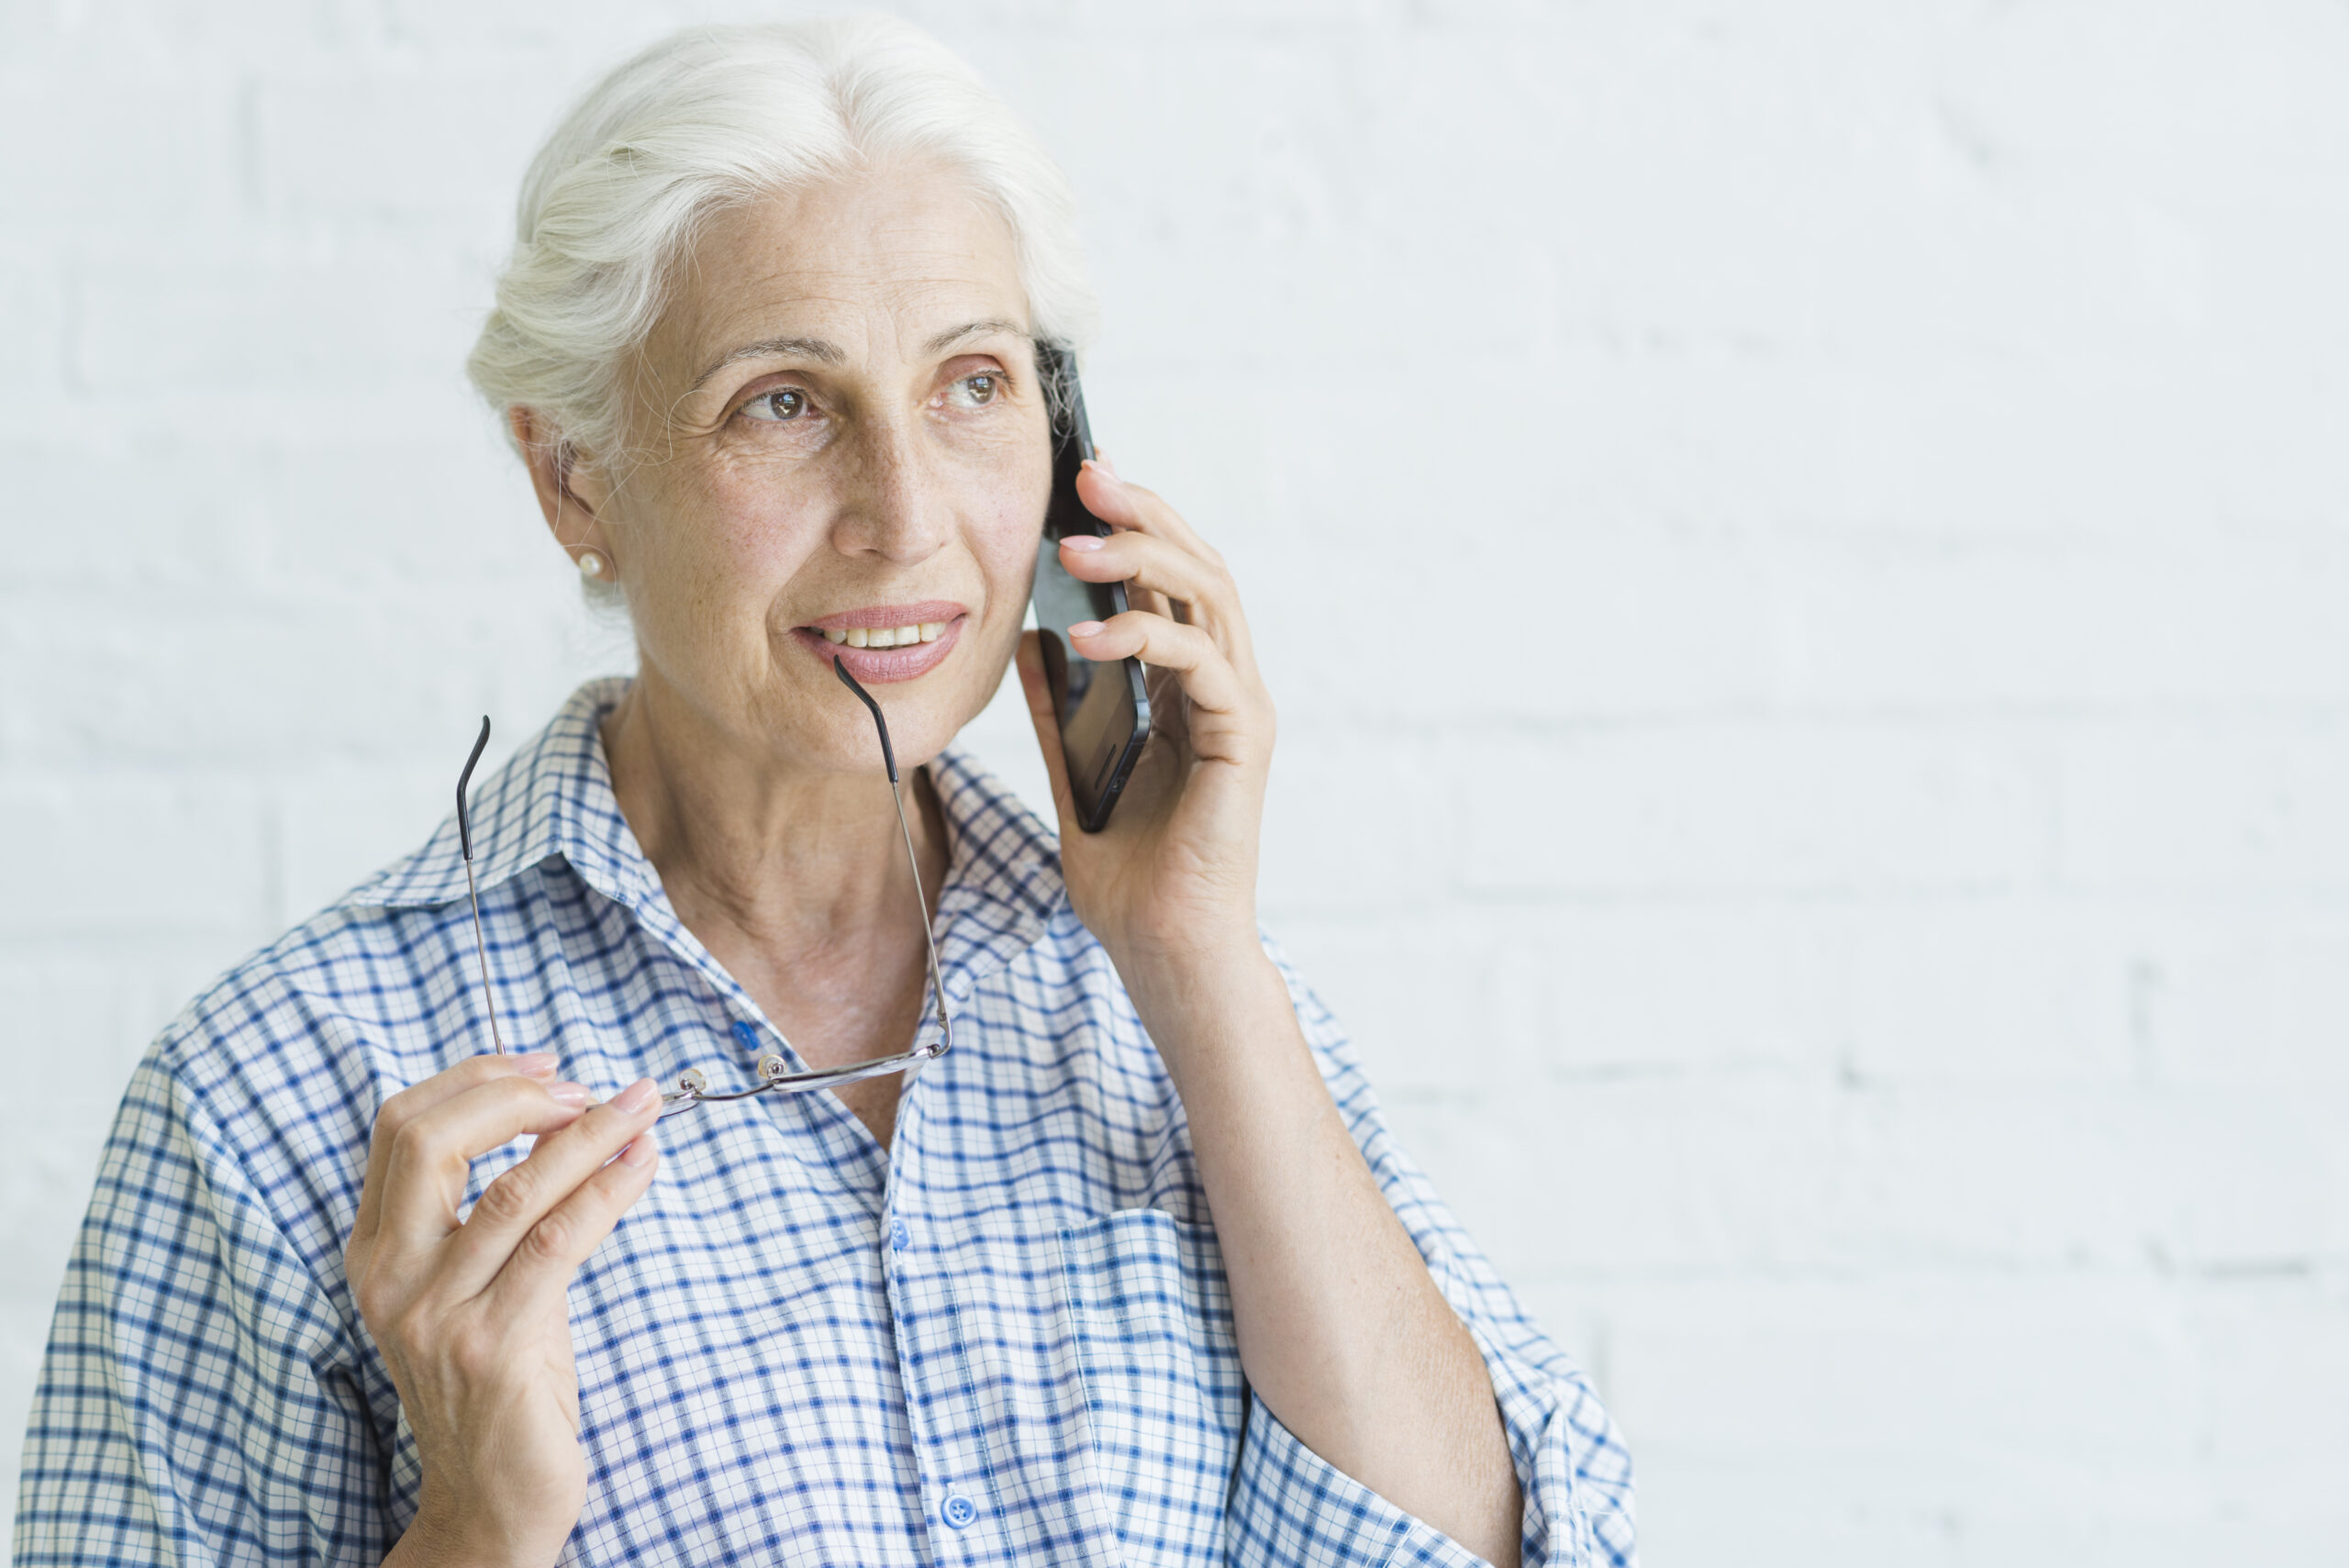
[1289, 1505]
[196, 1405]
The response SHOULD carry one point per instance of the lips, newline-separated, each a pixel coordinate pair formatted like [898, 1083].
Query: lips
[886, 642]
[871, 616]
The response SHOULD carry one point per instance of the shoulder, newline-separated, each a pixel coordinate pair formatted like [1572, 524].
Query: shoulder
[277, 1068]
[350, 975]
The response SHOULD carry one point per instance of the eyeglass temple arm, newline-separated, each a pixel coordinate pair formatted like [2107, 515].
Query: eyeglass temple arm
[888, 752]
[465, 844]
[922, 897]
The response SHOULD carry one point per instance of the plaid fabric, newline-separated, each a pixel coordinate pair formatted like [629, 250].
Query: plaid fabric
[1005, 1340]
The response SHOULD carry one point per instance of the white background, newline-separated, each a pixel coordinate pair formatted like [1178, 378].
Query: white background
[1803, 550]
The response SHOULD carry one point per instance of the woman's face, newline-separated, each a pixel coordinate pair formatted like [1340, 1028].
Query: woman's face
[837, 438]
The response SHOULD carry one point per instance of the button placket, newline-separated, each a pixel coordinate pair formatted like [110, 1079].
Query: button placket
[949, 1445]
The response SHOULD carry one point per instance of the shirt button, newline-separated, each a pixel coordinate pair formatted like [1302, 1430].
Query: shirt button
[960, 1511]
[899, 1236]
[747, 1032]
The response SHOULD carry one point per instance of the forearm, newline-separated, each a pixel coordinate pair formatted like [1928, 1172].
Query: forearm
[1341, 1330]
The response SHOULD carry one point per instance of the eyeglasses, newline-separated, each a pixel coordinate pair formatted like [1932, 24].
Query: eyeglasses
[775, 1073]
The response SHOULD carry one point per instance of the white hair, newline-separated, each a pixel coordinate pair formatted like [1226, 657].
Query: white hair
[713, 116]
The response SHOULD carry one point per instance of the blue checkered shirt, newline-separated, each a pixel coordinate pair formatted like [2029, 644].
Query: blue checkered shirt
[1005, 1339]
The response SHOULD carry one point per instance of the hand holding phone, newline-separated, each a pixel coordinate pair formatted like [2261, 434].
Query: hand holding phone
[1170, 886]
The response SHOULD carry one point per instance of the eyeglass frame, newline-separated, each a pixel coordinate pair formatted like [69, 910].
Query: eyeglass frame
[775, 1075]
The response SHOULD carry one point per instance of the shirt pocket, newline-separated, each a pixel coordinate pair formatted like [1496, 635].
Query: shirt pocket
[1151, 1314]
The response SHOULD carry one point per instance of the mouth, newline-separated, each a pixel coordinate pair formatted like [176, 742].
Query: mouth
[883, 636]
[886, 642]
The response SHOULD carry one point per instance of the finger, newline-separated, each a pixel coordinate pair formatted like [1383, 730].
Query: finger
[1038, 689]
[1124, 505]
[522, 1197]
[424, 1175]
[1160, 567]
[1207, 677]
[417, 1098]
[538, 1271]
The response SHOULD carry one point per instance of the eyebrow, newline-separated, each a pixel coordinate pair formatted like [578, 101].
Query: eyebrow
[829, 353]
[983, 328]
[814, 349]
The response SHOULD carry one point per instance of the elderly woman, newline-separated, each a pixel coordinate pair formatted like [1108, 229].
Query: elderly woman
[1134, 1273]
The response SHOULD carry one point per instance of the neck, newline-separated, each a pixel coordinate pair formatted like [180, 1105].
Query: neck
[750, 849]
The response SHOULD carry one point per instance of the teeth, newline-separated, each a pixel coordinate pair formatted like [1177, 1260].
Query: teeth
[888, 636]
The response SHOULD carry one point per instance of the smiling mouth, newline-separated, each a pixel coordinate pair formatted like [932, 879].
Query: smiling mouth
[884, 636]
[906, 649]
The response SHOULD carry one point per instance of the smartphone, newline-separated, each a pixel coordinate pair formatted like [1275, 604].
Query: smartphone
[1104, 708]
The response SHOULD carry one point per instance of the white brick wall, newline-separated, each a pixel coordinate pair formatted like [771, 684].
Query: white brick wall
[1868, 950]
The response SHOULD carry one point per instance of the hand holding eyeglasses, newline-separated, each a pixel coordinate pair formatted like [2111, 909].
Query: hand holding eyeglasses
[472, 1313]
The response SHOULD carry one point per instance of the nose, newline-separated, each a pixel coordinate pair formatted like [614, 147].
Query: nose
[895, 506]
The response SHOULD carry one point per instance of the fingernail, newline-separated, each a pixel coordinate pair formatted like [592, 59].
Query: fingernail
[573, 1095]
[536, 1064]
[1097, 462]
[1086, 628]
[639, 1152]
[638, 1096]
[1085, 543]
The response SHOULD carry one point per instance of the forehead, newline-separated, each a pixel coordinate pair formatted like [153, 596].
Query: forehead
[875, 263]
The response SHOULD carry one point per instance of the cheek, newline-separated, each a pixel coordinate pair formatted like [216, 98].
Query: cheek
[1005, 538]
[731, 538]
[1006, 553]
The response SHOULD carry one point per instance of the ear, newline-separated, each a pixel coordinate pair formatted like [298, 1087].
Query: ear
[570, 489]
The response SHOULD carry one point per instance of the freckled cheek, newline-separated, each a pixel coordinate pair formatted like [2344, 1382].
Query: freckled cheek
[751, 542]
[1003, 542]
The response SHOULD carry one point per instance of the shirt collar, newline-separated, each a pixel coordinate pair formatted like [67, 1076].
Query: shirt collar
[552, 799]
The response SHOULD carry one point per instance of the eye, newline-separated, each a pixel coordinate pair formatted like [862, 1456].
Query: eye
[784, 403]
[978, 391]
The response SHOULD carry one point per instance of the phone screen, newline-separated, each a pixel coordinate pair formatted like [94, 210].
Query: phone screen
[1104, 708]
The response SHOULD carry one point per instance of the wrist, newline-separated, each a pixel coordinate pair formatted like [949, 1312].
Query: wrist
[1213, 1012]
[1193, 970]
[439, 1538]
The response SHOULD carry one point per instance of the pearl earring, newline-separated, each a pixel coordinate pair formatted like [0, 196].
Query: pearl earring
[590, 564]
